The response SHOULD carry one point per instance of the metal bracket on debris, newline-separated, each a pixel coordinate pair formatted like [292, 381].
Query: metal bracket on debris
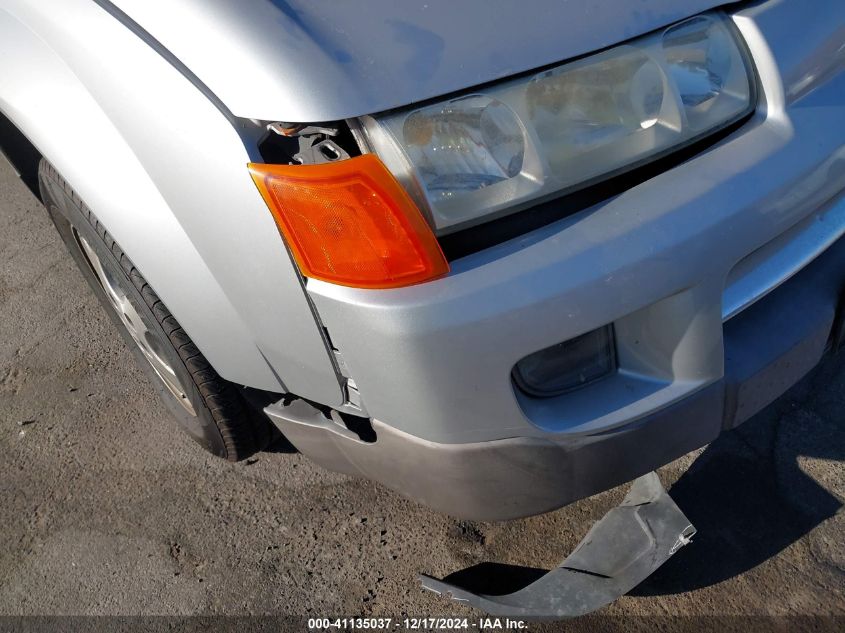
[617, 554]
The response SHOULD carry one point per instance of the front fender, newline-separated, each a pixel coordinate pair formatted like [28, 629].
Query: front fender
[165, 171]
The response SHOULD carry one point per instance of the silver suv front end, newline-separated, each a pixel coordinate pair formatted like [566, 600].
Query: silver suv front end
[696, 271]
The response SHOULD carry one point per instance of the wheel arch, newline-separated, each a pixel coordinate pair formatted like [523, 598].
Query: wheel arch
[90, 120]
[22, 155]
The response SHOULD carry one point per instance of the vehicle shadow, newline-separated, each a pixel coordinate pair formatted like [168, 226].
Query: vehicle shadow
[495, 579]
[280, 444]
[748, 493]
[256, 400]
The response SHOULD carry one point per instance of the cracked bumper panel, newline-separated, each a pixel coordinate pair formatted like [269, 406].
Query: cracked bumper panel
[434, 361]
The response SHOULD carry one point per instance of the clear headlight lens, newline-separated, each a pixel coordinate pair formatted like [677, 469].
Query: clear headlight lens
[472, 158]
[464, 145]
[702, 59]
[604, 113]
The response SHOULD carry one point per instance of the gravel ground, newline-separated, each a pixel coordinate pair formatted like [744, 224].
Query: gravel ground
[97, 518]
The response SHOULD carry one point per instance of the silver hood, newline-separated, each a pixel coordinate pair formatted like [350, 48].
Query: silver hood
[321, 60]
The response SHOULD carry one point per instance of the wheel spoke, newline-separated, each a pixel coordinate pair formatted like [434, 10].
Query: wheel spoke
[149, 343]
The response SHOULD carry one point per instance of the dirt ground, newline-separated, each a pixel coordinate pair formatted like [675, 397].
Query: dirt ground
[97, 518]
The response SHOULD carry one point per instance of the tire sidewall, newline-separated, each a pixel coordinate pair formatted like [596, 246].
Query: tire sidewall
[66, 217]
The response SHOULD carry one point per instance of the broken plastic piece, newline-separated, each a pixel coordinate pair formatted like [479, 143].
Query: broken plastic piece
[617, 554]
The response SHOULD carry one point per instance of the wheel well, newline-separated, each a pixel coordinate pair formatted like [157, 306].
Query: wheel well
[22, 154]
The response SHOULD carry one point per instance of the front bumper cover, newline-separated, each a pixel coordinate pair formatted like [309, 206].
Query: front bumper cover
[768, 347]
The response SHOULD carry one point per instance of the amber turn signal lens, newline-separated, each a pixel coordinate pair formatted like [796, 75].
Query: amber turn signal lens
[351, 223]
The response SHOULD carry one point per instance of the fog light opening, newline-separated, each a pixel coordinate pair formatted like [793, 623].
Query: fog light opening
[569, 365]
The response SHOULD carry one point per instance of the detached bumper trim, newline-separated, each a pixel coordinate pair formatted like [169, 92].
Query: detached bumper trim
[617, 554]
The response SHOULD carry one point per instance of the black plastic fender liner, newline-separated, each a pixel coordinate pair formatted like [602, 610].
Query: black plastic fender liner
[620, 551]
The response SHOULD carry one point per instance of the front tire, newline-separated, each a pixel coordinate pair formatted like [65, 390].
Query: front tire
[209, 408]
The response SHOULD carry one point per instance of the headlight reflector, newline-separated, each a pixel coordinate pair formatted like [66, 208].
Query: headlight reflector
[702, 61]
[464, 145]
[599, 115]
[472, 158]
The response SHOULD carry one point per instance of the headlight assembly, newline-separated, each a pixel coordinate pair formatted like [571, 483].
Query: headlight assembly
[498, 150]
